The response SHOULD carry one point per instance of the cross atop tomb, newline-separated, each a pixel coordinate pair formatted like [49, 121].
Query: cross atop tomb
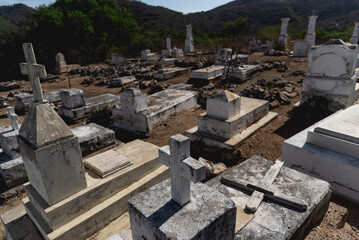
[13, 118]
[183, 168]
[34, 70]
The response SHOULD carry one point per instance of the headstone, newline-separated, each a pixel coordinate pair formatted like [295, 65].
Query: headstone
[74, 105]
[223, 105]
[329, 150]
[331, 74]
[283, 36]
[43, 134]
[310, 36]
[140, 114]
[225, 55]
[117, 59]
[171, 212]
[60, 63]
[176, 53]
[355, 36]
[72, 98]
[14, 119]
[189, 43]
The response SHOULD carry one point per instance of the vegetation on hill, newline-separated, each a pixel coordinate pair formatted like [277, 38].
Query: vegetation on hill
[88, 31]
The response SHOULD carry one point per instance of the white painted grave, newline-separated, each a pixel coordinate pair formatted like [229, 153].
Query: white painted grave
[301, 47]
[329, 150]
[140, 114]
[208, 73]
[229, 120]
[331, 74]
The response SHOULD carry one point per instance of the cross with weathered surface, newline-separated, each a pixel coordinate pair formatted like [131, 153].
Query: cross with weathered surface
[183, 168]
[263, 188]
[13, 118]
[34, 70]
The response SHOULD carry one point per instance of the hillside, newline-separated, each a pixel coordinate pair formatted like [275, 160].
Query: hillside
[16, 12]
[258, 12]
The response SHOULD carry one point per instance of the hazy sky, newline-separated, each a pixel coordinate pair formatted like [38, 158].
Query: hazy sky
[185, 6]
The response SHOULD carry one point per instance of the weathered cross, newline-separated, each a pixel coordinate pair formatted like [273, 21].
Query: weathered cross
[183, 168]
[34, 70]
[13, 118]
[263, 188]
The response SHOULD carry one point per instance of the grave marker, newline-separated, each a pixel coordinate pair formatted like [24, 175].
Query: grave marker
[183, 168]
[13, 118]
[34, 70]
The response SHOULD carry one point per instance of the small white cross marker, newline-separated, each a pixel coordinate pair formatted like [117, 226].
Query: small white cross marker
[13, 118]
[183, 168]
[34, 70]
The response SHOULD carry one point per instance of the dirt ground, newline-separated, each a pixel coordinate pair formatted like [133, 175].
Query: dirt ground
[341, 220]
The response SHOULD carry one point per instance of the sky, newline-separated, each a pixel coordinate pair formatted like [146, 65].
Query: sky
[185, 6]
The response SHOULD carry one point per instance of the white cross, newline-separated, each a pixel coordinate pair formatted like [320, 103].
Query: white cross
[34, 70]
[13, 118]
[183, 168]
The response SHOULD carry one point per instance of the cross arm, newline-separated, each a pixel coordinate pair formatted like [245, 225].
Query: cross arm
[193, 170]
[164, 155]
[38, 69]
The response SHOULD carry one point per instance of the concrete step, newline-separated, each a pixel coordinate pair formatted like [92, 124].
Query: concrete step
[100, 215]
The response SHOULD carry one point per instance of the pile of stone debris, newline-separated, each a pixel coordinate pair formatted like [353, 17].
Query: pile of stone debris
[11, 85]
[277, 91]
[273, 52]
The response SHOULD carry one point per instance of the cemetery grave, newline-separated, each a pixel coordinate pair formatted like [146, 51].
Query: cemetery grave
[265, 142]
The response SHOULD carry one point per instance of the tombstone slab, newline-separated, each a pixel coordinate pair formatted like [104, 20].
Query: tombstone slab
[329, 150]
[169, 73]
[93, 103]
[22, 101]
[244, 72]
[228, 133]
[119, 82]
[154, 215]
[208, 73]
[273, 220]
[93, 137]
[140, 114]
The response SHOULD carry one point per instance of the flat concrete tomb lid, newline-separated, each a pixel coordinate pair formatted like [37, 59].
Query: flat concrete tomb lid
[225, 96]
[339, 42]
[343, 125]
[43, 126]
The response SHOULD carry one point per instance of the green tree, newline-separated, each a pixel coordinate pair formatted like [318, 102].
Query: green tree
[84, 30]
[235, 29]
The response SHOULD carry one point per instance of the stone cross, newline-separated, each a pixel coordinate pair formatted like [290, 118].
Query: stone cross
[34, 70]
[183, 168]
[13, 118]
